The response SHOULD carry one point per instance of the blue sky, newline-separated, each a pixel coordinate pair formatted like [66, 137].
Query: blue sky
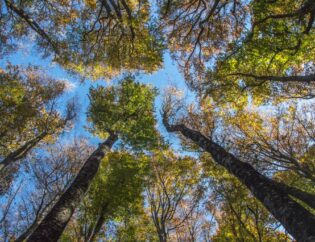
[161, 79]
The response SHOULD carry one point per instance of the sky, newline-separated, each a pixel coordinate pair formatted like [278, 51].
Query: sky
[165, 77]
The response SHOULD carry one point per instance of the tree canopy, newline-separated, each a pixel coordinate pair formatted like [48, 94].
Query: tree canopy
[167, 120]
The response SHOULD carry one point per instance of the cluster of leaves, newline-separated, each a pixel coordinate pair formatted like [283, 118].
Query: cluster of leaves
[120, 182]
[116, 37]
[94, 38]
[243, 53]
[172, 187]
[48, 20]
[281, 139]
[198, 31]
[28, 102]
[127, 110]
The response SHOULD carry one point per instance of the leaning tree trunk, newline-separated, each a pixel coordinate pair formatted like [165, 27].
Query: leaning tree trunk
[22, 151]
[299, 222]
[98, 226]
[9, 165]
[52, 226]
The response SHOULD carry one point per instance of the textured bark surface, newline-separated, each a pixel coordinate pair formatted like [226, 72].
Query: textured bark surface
[295, 219]
[52, 226]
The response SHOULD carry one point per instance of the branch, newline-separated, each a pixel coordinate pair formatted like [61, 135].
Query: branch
[22, 151]
[307, 79]
[35, 26]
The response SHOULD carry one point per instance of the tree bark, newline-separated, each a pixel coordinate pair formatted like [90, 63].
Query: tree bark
[52, 226]
[299, 222]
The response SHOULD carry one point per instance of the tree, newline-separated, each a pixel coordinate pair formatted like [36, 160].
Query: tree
[275, 199]
[282, 140]
[136, 228]
[51, 170]
[239, 216]
[29, 104]
[197, 31]
[197, 226]
[254, 51]
[47, 19]
[8, 203]
[94, 38]
[120, 115]
[171, 182]
[115, 192]
[116, 36]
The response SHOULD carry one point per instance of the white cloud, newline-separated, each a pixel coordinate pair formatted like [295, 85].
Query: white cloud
[174, 91]
[69, 86]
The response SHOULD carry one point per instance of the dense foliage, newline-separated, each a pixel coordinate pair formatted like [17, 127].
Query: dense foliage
[125, 161]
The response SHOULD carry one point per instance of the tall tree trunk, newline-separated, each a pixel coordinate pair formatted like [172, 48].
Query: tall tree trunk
[299, 222]
[42, 209]
[52, 226]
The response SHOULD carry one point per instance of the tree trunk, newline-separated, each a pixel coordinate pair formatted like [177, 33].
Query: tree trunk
[52, 226]
[22, 151]
[26, 233]
[295, 219]
[99, 223]
[9, 165]
[42, 209]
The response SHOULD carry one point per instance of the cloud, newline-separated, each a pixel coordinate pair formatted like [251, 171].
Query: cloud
[69, 85]
[176, 92]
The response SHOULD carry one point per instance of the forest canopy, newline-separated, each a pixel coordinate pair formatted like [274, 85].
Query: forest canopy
[157, 120]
